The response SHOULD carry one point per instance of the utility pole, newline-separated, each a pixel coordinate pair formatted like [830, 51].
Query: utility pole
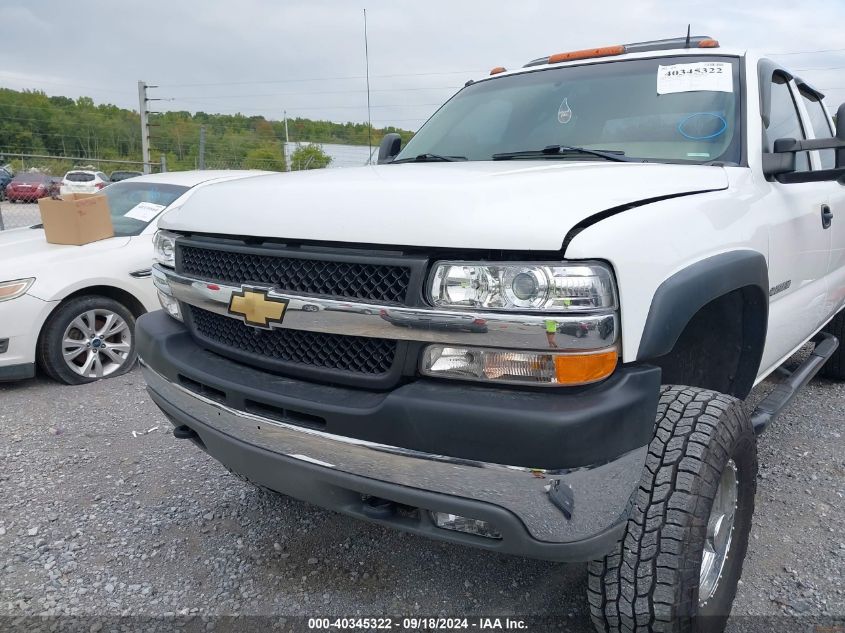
[145, 125]
[369, 115]
[287, 141]
[202, 147]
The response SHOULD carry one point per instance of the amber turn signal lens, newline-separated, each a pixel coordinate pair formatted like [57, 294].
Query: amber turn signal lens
[586, 54]
[580, 369]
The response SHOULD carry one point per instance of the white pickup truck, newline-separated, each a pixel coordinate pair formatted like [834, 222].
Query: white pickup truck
[531, 330]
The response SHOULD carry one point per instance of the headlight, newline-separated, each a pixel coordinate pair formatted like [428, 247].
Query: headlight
[164, 245]
[523, 286]
[14, 289]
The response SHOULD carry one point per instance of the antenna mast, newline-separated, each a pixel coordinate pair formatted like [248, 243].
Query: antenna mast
[369, 115]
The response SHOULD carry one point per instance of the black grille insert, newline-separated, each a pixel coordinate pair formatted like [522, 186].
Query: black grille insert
[350, 280]
[354, 354]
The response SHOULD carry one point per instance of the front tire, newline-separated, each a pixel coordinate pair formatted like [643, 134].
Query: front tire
[679, 561]
[86, 339]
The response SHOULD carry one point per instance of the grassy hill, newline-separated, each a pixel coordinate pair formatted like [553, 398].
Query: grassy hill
[33, 123]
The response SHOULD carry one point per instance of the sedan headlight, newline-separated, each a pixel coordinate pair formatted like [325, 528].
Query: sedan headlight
[164, 245]
[13, 289]
[523, 286]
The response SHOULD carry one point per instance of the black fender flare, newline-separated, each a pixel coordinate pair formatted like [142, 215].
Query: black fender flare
[682, 295]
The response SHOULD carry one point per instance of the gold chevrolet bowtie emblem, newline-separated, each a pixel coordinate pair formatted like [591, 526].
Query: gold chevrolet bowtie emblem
[257, 308]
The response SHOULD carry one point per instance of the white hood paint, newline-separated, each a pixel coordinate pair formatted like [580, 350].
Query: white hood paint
[492, 205]
[26, 253]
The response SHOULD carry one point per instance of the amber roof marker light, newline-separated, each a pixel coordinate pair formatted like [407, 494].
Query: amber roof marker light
[699, 41]
[588, 53]
[497, 70]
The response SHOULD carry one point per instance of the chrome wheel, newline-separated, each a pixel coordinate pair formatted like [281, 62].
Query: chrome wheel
[720, 526]
[96, 343]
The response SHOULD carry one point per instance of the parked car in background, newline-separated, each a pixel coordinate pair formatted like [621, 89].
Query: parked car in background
[83, 181]
[28, 187]
[72, 309]
[6, 175]
[117, 176]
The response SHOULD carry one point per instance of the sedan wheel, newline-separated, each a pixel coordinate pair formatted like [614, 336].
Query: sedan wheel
[86, 339]
[96, 343]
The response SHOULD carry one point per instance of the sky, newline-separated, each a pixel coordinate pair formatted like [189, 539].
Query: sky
[306, 57]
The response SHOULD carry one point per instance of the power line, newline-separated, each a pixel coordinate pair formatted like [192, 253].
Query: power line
[350, 77]
[60, 83]
[828, 50]
[308, 93]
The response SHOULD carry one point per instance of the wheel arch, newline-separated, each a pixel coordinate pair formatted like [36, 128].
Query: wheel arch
[112, 292]
[718, 306]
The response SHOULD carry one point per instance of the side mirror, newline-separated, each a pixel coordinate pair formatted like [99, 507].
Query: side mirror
[840, 134]
[779, 162]
[389, 148]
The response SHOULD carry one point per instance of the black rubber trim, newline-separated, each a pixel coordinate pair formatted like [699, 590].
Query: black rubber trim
[342, 492]
[683, 294]
[17, 372]
[548, 428]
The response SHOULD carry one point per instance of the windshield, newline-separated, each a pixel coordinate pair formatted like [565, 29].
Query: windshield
[135, 204]
[79, 176]
[671, 109]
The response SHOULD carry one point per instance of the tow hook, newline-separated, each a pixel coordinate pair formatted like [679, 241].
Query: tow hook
[184, 432]
[378, 508]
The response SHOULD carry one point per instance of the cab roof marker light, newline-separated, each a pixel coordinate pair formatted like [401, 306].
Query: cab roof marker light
[699, 41]
[497, 70]
[607, 51]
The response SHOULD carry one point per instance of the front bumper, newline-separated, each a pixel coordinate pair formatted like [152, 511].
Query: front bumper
[21, 321]
[294, 455]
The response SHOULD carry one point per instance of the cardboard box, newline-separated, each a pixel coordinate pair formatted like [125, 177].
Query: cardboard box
[77, 218]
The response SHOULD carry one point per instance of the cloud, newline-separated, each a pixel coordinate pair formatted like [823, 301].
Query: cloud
[307, 56]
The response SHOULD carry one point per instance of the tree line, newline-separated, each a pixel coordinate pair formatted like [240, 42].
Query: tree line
[33, 123]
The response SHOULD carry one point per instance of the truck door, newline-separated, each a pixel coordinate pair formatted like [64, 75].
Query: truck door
[821, 126]
[799, 245]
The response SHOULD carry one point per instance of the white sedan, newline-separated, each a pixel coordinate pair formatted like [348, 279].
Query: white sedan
[71, 309]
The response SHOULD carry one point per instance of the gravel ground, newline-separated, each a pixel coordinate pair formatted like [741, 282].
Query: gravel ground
[94, 521]
[16, 215]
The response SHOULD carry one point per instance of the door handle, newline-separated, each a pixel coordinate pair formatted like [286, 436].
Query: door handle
[827, 217]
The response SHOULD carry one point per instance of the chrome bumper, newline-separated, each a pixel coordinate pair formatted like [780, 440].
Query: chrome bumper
[573, 332]
[598, 496]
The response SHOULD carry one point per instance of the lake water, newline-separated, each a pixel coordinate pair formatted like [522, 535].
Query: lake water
[342, 155]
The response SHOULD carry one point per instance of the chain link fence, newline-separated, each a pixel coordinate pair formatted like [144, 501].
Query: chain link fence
[21, 215]
[15, 216]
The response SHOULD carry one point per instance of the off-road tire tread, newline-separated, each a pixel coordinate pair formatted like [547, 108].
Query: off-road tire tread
[646, 584]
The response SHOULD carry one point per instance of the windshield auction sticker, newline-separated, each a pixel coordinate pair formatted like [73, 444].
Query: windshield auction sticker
[709, 76]
[144, 211]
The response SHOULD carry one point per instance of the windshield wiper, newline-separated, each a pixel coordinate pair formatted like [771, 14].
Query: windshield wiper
[552, 151]
[430, 158]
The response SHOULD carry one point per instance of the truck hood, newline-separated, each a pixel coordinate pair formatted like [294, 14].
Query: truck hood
[523, 205]
[26, 253]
